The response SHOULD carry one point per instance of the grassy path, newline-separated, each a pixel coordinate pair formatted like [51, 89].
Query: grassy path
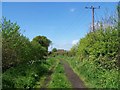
[72, 77]
[55, 77]
[60, 75]
[48, 77]
[59, 78]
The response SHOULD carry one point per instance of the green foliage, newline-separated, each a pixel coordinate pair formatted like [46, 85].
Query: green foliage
[38, 51]
[49, 64]
[102, 45]
[20, 73]
[14, 45]
[27, 74]
[54, 50]
[73, 50]
[94, 75]
[42, 40]
[17, 48]
[97, 57]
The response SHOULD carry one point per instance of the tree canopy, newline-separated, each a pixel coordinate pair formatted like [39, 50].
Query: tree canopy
[43, 41]
[54, 50]
[17, 48]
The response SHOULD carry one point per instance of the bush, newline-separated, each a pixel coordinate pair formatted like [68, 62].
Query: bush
[97, 57]
[17, 48]
[102, 45]
[23, 76]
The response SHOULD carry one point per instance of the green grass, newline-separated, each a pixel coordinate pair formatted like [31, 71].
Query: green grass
[51, 62]
[59, 79]
[26, 75]
[94, 76]
[22, 76]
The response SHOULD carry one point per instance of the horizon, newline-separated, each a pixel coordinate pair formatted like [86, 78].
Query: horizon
[64, 23]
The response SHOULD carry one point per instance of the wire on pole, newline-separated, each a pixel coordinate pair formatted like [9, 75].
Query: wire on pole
[93, 8]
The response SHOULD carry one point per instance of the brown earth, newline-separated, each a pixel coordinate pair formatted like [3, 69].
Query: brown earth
[72, 77]
[76, 82]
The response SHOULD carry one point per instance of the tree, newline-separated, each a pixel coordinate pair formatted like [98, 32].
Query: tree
[74, 49]
[17, 49]
[54, 50]
[43, 41]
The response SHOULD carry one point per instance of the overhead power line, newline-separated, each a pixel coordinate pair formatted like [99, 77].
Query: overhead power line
[93, 8]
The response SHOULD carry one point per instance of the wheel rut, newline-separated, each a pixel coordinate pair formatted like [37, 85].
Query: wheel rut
[72, 77]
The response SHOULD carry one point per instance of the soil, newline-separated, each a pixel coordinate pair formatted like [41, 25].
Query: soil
[75, 80]
[72, 77]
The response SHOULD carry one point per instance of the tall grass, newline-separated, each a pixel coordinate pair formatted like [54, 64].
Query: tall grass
[59, 79]
[94, 76]
[26, 75]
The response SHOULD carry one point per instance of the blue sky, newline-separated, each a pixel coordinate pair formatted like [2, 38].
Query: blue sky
[63, 23]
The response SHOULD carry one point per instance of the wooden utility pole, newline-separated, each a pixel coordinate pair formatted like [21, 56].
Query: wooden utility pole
[93, 8]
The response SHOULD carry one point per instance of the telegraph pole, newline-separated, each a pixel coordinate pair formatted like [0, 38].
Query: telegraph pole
[93, 9]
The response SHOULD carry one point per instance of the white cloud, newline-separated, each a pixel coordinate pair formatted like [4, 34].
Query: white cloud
[72, 10]
[65, 46]
[75, 42]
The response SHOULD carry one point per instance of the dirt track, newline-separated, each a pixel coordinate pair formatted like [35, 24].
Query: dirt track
[72, 77]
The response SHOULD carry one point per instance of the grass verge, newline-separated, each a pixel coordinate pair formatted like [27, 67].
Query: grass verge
[59, 79]
[26, 75]
[94, 76]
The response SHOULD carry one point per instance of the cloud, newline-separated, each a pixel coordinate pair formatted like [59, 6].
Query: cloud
[75, 42]
[72, 10]
[65, 46]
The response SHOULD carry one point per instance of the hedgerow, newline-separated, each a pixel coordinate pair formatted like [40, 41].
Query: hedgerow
[17, 48]
[97, 56]
[22, 59]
